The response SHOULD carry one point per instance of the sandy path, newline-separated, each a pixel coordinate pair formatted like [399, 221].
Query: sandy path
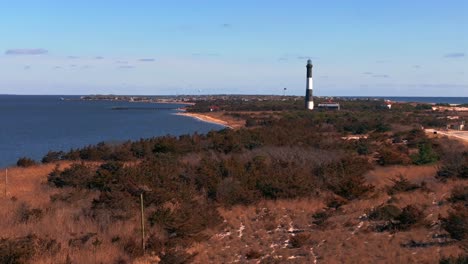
[461, 135]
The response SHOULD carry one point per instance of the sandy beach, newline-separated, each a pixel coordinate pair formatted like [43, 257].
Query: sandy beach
[215, 118]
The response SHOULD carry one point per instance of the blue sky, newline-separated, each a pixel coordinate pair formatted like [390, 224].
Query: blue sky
[359, 47]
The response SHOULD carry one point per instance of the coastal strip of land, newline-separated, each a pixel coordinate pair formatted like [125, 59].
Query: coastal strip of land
[131, 99]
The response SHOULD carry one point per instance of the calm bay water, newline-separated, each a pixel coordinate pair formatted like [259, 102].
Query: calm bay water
[32, 125]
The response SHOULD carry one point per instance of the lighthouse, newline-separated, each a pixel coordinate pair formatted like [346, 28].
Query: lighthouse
[309, 99]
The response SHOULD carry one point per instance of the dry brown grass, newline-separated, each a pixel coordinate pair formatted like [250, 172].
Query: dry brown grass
[61, 221]
[281, 231]
[382, 176]
[346, 237]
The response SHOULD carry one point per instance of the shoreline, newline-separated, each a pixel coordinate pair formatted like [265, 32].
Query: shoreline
[207, 119]
[128, 101]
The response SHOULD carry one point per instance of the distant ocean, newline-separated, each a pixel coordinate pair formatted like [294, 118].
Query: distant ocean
[32, 125]
[435, 100]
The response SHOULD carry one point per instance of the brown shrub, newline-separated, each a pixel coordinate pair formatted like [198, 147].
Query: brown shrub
[155, 244]
[409, 217]
[335, 202]
[23, 249]
[26, 214]
[352, 187]
[397, 219]
[231, 192]
[459, 194]
[392, 156]
[385, 212]
[299, 240]
[25, 162]
[345, 178]
[456, 224]
[77, 175]
[132, 247]
[52, 156]
[402, 185]
[176, 257]
[186, 222]
[321, 217]
[253, 254]
[462, 259]
[456, 167]
[16, 251]
[271, 260]
[115, 205]
[80, 241]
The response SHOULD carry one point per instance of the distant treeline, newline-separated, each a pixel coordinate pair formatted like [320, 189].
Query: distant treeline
[237, 104]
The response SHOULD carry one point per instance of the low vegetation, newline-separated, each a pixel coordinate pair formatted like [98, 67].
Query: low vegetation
[25, 162]
[194, 185]
[456, 224]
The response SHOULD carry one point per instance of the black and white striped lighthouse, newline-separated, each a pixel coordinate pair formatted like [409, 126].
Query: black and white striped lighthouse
[309, 99]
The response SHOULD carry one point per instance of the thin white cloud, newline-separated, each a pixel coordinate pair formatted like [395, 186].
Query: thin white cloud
[26, 51]
[126, 67]
[455, 55]
[381, 76]
[200, 54]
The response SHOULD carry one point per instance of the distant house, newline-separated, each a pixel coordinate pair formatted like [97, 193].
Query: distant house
[388, 104]
[329, 106]
[457, 126]
[214, 108]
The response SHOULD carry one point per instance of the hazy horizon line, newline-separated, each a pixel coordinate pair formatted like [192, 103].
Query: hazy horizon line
[238, 94]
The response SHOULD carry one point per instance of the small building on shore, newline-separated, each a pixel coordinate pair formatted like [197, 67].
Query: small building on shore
[329, 106]
[388, 104]
[214, 108]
